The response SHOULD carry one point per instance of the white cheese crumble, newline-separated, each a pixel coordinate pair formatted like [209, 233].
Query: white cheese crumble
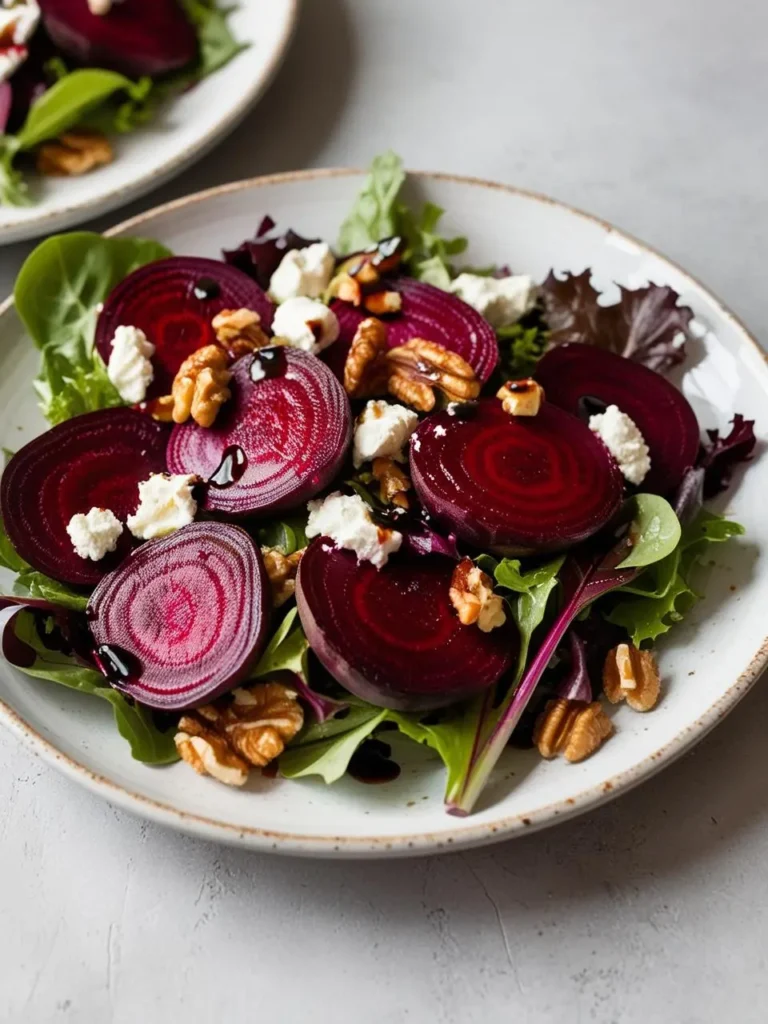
[501, 300]
[95, 534]
[130, 366]
[17, 25]
[306, 324]
[346, 520]
[166, 504]
[621, 436]
[100, 7]
[304, 272]
[382, 430]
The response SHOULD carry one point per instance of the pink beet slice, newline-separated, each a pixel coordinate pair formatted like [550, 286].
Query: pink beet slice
[391, 635]
[279, 441]
[427, 312]
[174, 301]
[514, 484]
[137, 37]
[574, 373]
[92, 461]
[184, 618]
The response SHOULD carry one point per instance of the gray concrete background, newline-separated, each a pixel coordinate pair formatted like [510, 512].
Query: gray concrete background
[653, 909]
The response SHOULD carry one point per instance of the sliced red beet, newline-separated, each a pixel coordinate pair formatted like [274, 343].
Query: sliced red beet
[427, 312]
[279, 441]
[174, 301]
[573, 374]
[92, 461]
[137, 37]
[391, 635]
[184, 618]
[515, 484]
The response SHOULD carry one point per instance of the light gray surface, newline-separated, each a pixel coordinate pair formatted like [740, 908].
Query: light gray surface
[654, 909]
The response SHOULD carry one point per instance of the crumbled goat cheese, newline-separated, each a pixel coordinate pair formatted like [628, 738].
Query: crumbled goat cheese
[17, 25]
[501, 300]
[166, 503]
[382, 429]
[303, 272]
[130, 366]
[622, 438]
[95, 534]
[306, 324]
[346, 520]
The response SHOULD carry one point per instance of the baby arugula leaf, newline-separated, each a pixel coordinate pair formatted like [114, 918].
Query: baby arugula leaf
[217, 45]
[329, 758]
[134, 722]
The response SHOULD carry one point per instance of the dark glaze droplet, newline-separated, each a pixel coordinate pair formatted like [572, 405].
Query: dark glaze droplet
[269, 771]
[206, 288]
[268, 363]
[232, 466]
[117, 665]
[590, 406]
[462, 410]
[371, 763]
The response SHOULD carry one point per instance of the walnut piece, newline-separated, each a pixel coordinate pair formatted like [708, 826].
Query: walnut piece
[74, 153]
[359, 278]
[419, 367]
[472, 596]
[394, 482]
[365, 371]
[200, 386]
[572, 728]
[249, 728]
[632, 675]
[281, 570]
[521, 397]
[239, 332]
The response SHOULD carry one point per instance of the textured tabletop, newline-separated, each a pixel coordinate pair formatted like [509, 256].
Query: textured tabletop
[653, 909]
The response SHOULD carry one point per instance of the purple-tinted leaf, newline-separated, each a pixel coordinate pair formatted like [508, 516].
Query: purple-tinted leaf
[576, 684]
[722, 455]
[260, 257]
[646, 324]
[15, 651]
[421, 539]
[690, 495]
[323, 707]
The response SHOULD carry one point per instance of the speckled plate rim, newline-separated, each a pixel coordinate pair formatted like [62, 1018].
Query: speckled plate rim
[69, 214]
[464, 834]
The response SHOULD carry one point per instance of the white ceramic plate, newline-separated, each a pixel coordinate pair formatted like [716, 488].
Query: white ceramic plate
[708, 664]
[185, 130]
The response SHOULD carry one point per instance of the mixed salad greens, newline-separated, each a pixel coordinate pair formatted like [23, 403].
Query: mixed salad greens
[74, 72]
[273, 577]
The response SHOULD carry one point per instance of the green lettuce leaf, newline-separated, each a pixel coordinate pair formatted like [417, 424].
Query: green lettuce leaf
[13, 190]
[57, 292]
[30, 583]
[330, 757]
[520, 348]
[134, 722]
[533, 589]
[379, 213]
[217, 44]
[664, 593]
[287, 535]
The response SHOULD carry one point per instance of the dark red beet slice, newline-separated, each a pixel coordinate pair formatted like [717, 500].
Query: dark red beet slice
[277, 443]
[137, 37]
[573, 373]
[91, 461]
[173, 301]
[515, 484]
[391, 635]
[184, 618]
[430, 313]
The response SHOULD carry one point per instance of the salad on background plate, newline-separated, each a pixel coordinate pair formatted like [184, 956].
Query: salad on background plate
[308, 495]
[76, 73]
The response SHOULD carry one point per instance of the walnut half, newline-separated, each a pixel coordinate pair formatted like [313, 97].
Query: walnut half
[632, 675]
[200, 386]
[394, 482]
[74, 153]
[472, 596]
[239, 332]
[281, 570]
[250, 728]
[420, 367]
[572, 728]
[365, 372]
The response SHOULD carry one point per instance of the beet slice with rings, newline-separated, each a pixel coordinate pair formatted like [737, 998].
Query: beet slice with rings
[136, 37]
[391, 635]
[184, 618]
[174, 301]
[427, 312]
[279, 441]
[514, 484]
[96, 460]
[574, 376]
